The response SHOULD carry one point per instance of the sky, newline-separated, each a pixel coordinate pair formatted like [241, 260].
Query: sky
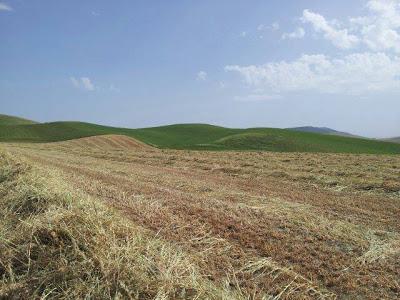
[235, 63]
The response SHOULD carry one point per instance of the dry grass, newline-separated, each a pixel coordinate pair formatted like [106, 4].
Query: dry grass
[244, 225]
[102, 142]
[362, 173]
[61, 244]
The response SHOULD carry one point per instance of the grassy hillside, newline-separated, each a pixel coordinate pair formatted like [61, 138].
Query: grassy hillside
[53, 132]
[393, 140]
[202, 137]
[293, 141]
[323, 130]
[11, 120]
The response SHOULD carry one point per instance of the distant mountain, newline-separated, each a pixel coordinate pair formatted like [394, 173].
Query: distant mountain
[322, 130]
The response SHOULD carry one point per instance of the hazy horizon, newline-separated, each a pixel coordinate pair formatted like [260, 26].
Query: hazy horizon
[243, 64]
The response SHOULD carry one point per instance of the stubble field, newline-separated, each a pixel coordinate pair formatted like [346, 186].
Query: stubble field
[253, 225]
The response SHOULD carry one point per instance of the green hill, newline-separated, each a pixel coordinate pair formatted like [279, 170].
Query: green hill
[11, 120]
[202, 137]
[323, 130]
[393, 140]
[271, 139]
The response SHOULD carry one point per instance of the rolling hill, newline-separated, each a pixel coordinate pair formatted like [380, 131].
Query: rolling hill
[322, 130]
[393, 140]
[202, 137]
[11, 120]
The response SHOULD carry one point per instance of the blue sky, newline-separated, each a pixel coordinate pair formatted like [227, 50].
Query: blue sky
[233, 63]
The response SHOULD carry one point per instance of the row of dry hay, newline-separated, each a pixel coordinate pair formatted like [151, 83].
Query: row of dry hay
[163, 184]
[59, 243]
[370, 174]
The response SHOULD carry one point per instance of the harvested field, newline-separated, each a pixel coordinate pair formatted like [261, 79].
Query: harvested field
[253, 225]
[103, 142]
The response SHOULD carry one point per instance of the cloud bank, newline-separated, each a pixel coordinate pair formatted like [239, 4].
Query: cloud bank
[377, 30]
[331, 31]
[369, 62]
[357, 73]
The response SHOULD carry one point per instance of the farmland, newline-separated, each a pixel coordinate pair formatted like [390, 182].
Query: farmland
[200, 224]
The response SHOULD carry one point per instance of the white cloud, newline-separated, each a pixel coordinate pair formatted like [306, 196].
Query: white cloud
[243, 34]
[87, 84]
[341, 38]
[358, 73]
[299, 33]
[5, 7]
[274, 27]
[83, 83]
[202, 76]
[379, 29]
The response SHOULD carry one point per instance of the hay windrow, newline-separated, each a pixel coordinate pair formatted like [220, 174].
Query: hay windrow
[62, 244]
[247, 226]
